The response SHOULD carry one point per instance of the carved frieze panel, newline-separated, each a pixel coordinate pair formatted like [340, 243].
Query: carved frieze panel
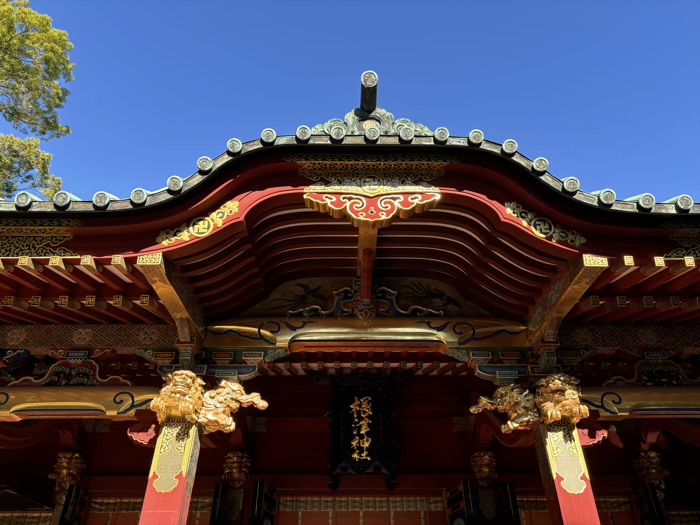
[36, 237]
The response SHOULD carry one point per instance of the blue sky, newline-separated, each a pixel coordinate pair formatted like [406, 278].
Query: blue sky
[608, 91]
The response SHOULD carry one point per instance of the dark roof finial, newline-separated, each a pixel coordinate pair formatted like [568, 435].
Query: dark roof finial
[368, 99]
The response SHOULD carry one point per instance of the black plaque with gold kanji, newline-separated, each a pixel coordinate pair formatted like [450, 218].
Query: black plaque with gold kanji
[361, 433]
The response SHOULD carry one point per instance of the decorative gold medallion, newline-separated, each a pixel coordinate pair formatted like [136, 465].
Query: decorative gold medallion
[200, 226]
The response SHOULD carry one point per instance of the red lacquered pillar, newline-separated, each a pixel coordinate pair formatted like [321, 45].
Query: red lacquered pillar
[169, 489]
[184, 410]
[565, 476]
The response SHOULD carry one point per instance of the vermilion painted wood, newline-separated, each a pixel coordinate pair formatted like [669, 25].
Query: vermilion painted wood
[169, 508]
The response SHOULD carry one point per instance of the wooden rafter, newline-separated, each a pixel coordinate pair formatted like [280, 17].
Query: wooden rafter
[560, 297]
[187, 315]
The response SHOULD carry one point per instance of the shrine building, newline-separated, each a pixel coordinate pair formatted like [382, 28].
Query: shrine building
[369, 322]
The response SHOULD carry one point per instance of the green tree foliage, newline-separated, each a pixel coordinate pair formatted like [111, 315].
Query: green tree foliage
[34, 66]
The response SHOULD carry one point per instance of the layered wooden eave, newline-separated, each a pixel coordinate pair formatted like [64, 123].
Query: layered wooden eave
[470, 240]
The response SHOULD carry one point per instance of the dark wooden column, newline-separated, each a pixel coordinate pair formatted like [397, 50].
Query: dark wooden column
[650, 499]
[69, 496]
[230, 495]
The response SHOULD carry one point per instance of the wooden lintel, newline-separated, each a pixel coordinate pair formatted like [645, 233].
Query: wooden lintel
[41, 303]
[150, 304]
[622, 267]
[6, 268]
[32, 267]
[59, 266]
[121, 302]
[120, 265]
[684, 265]
[657, 264]
[25, 278]
[88, 263]
[74, 305]
[679, 272]
[366, 255]
[64, 301]
[121, 337]
[28, 265]
[561, 296]
[179, 304]
[98, 272]
[445, 368]
[10, 301]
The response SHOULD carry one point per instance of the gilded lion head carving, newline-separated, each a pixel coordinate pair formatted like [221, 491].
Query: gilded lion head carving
[558, 398]
[180, 398]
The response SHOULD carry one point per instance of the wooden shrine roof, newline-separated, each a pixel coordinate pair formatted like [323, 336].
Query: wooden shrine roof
[247, 253]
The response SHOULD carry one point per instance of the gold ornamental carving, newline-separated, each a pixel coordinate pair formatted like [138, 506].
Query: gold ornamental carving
[237, 468]
[337, 168]
[221, 403]
[199, 226]
[649, 466]
[184, 411]
[36, 237]
[595, 261]
[371, 190]
[515, 401]
[687, 236]
[181, 398]
[565, 456]
[544, 227]
[68, 468]
[483, 465]
[559, 399]
[177, 442]
[150, 259]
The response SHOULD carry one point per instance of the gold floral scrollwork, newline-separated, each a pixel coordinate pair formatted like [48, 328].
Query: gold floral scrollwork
[199, 226]
[150, 259]
[220, 404]
[566, 457]
[398, 170]
[595, 261]
[559, 399]
[36, 237]
[178, 443]
[687, 236]
[544, 227]
[371, 190]
[237, 468]
[68, 468]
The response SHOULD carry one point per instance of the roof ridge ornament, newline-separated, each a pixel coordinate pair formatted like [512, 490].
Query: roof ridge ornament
[370, 117]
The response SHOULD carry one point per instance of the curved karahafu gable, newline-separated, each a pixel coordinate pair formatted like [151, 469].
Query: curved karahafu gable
[367, 197]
